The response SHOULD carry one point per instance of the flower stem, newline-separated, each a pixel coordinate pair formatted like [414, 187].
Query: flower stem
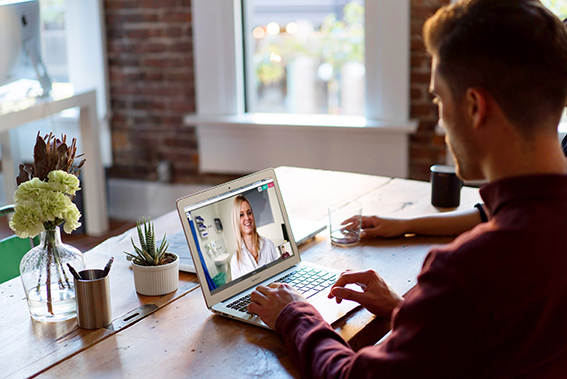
[49, 247]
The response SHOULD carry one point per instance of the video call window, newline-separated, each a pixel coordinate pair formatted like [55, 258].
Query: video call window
[239, 234]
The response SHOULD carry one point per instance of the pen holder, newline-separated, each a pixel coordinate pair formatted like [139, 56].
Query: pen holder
[93, 300]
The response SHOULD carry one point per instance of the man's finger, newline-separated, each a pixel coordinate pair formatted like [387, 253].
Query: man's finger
[263, 289]
[258, 297]
[255, 308]
[351, 220]
[352, 277]
[371, 232]
[347, 294]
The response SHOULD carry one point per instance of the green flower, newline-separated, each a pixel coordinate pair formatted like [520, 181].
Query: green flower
[63, 181]
[28, 219]
[40, 204]
[53, 204]
[30, 190]
[71, 217]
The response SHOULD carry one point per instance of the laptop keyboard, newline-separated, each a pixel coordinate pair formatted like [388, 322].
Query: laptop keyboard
[307, 280]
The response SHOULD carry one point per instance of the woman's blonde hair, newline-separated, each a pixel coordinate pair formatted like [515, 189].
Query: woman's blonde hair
[238, 200]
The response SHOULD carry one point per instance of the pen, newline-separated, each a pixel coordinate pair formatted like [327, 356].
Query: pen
[107, 267]
[74, 272]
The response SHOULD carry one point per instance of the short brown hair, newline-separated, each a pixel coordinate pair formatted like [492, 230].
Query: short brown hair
[516, 50]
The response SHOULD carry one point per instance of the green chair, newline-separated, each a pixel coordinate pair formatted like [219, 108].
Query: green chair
[12, 249]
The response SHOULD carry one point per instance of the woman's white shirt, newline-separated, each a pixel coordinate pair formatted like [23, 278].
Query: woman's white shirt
[268, 253]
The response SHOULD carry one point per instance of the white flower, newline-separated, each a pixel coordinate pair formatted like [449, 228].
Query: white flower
[28, 219]
[53, 204]
[38, 202]
[30, 190]
[63, 181]
[71, 217]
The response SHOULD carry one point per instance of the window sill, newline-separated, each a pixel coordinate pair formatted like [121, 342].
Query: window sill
[250, 142]
[306, 121]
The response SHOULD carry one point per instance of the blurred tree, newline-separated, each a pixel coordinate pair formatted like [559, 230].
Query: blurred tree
[336, 42]
[559, 7]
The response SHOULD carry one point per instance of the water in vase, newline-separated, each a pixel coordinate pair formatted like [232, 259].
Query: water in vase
[63, 306]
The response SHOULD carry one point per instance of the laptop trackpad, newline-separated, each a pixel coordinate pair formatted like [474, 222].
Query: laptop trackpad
[330, 310]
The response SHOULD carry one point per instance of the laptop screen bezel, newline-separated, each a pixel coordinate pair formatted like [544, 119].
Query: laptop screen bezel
[234, 186]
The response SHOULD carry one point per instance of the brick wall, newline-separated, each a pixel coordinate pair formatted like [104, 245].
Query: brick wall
[426, 148]
[152, 88]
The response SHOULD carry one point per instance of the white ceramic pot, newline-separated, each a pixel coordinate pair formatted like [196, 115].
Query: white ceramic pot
[156, 280]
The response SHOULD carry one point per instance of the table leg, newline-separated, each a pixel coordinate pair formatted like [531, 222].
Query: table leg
[95, 202]
[8, 166]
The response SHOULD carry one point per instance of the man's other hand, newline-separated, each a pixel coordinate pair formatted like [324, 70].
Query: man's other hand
[374, 226]
[268, 302]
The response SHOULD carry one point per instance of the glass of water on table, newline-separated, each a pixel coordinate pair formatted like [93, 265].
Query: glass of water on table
[345, 220]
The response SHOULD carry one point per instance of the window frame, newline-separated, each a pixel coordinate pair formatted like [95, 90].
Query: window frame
[219, 77]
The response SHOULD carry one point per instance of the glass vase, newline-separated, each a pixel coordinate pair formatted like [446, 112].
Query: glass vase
[48, 283]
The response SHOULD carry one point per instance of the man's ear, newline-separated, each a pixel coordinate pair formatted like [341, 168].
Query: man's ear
[476, 106]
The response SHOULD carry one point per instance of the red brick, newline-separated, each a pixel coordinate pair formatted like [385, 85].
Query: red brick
[184, 16]
[420, 111]
[185, 106]
[420, 77]
[423, 12]
[182, 46]
[151, 47]
[179, 76]
[110, 5]
[124, 61]
[153, 76]
[158, 3]
[162, 62]
[148, 105]
[420, 61]
[416, 93]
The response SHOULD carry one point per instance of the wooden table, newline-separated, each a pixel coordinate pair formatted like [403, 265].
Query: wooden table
[180, 337]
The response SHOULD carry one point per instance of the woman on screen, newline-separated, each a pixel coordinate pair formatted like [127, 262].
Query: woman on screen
[252, 250]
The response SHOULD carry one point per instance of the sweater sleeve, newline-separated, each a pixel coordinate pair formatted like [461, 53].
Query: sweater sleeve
[422, 343]
[313, 345]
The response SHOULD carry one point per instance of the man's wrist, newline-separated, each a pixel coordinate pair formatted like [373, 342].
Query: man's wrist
[290, 313]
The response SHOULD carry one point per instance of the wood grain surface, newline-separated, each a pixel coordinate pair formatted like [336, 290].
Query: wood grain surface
[183, 338]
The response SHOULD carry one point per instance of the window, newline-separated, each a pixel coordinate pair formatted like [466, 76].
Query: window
[559, 7]
[54, 42]
[304, 57]
[73, 50]
[232, 137]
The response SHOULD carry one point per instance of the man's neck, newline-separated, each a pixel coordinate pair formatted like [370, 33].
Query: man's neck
[542, 155]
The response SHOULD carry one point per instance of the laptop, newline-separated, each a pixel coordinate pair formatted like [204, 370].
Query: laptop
[227, 281]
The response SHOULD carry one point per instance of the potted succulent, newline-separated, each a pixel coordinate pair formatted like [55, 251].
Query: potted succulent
[156, 271]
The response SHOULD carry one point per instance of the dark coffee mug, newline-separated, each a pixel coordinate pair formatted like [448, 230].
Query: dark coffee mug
[445, 187]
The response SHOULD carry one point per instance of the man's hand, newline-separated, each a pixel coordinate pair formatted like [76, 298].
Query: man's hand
[376, 296]
[268, 302]
[373, 226]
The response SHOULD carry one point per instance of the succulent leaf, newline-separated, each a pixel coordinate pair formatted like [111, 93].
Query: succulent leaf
[147, 253]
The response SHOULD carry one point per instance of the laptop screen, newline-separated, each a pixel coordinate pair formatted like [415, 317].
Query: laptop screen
[238, 234]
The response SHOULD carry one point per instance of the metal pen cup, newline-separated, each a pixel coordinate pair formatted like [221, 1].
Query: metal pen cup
[92, 294]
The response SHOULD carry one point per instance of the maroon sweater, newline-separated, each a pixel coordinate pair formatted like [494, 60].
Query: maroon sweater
[493, 303]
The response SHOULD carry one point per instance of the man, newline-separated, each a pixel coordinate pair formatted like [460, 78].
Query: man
[493, 303]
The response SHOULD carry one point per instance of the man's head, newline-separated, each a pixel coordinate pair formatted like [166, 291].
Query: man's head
[511, 51]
